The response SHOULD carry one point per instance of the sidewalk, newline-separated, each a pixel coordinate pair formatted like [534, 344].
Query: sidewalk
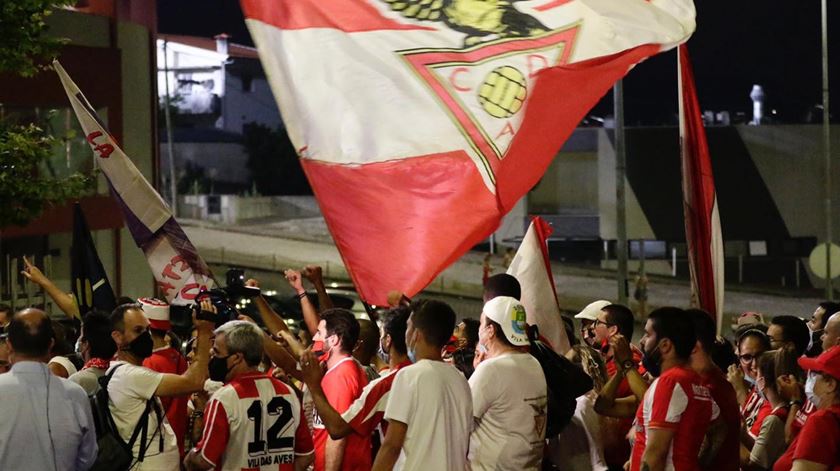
[278, 245]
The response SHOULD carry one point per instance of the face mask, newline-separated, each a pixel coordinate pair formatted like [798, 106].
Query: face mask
[653, 361]
[217, 368]
[813, 338]
[142, 346]
[809, 389]
[318, 349]
[412, 355]
[78, 347]
[749, 379]
[383, 354]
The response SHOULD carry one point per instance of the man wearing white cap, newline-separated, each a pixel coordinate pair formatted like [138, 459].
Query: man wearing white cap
[509, 393]
[166, 359]
[587, 317]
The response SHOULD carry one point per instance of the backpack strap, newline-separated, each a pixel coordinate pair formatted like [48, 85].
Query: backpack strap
[141, 430]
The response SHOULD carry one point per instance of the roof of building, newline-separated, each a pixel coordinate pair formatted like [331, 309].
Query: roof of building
[234, 50]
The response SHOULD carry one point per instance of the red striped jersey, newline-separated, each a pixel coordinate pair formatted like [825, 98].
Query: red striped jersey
[254, 423]
[676, 400]
[368, 410]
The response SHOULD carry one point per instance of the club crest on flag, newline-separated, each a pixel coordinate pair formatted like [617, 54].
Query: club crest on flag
[483, 88]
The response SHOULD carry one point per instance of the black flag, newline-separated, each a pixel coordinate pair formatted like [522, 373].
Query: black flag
[90, 283]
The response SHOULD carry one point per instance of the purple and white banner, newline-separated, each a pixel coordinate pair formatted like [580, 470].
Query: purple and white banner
[178, 269]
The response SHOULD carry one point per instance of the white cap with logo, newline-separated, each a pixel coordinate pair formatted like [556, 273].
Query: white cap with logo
[590, 312]
[510, 314]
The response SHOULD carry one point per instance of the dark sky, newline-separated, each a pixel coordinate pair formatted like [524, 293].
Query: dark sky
[737, 44]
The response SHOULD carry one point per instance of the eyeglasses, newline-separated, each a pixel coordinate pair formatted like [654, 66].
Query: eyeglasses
[599, 321]
[747, 357]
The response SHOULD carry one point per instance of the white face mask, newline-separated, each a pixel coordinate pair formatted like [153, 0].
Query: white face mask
[809, 389]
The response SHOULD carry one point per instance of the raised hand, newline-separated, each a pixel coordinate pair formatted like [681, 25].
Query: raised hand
[33, 273]
[295, 280]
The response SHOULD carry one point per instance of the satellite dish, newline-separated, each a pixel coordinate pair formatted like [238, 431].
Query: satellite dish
[817, 261]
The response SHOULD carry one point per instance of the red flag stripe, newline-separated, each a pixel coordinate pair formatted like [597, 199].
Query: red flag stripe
[351, 16]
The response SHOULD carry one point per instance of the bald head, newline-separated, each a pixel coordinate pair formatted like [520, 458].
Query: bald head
[831, 334]
[30, 334]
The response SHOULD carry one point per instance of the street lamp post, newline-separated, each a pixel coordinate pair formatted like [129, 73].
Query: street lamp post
[829, 288]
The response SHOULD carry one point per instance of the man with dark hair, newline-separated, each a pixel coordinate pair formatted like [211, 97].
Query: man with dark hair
[430, 416]
[464, 355]
[613, 330]
[45, 421]
[502, 284]
[342, 383]
[509, 393]
[677, 408]
[724, 455]
[254, 421]
[97, 348]
[816, 324]
[133, 387]
[368, 410]
[788, 332]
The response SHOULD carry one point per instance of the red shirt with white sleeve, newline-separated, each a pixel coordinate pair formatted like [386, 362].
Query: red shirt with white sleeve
[676, 400]
[368, 410]
[342, 384]
[254, 423]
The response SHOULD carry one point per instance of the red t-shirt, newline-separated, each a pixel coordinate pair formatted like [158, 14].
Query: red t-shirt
[754, 410]
[254, 423]
[801, 416]
[818, 441]
[342, 384]
[169, 360]
[618, 454]
[676, 400]
[724, 396]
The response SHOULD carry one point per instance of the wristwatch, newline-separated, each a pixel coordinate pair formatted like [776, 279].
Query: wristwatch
[628, 365]
[794, 402]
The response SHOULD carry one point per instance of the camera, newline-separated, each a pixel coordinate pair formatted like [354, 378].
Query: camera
[224, 299]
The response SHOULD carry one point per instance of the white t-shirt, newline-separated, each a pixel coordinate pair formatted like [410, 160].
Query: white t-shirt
[509, 406]
[433, 399]
[129, 389]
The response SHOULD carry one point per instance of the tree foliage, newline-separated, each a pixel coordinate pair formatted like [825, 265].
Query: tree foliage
[26, 50]
[273, 162]
[24, 190]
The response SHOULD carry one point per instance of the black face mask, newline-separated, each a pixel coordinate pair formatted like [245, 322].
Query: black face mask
[218, 369]
[652, 361]
[142, 346]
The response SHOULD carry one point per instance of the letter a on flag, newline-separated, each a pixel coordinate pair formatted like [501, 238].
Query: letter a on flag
[178, 269]
[420, 123]
[702, 221]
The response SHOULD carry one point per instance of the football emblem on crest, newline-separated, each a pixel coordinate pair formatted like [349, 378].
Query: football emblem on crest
[503, 92]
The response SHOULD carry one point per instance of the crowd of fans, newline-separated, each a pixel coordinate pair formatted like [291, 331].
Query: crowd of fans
[416, 389]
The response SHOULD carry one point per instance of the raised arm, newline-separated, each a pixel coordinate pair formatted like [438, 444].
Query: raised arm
[63, 300]
[623, 355]
[314, 275]
[193, 379]
[310, 314]
[272, 320]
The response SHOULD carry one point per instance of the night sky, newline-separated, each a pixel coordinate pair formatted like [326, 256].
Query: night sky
[736, 45]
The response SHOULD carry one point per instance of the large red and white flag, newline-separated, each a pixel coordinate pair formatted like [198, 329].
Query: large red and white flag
[420, 123]
[532, 268]
[702, 221]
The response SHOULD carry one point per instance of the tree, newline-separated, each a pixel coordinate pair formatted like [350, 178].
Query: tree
[22, 26]
[23, 188]
[273, 162]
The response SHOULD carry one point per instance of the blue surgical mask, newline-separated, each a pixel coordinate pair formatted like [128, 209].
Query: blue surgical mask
[749, 379]
[412, 355]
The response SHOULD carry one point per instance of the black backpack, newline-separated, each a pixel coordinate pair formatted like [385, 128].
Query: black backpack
[565, 382]
[114, 453]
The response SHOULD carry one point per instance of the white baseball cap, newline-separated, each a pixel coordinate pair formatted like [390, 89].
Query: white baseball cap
[157, 312]
[590, 312]
[510, 314]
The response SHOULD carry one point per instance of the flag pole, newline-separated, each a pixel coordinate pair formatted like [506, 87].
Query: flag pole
[829, 286]
[621, 214]
[170, 149]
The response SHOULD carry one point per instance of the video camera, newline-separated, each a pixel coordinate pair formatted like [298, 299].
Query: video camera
[224, 299]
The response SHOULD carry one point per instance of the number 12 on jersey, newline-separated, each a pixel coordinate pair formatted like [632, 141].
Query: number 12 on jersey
[280, 411]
